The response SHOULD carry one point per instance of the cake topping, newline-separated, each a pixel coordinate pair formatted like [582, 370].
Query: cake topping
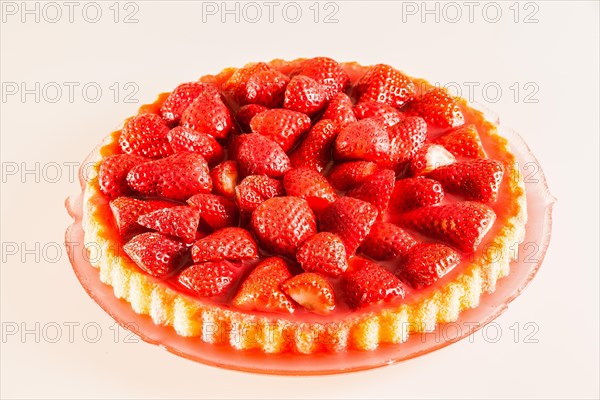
[326, 189]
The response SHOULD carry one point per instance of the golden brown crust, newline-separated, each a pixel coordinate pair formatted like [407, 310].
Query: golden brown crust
[274, 333]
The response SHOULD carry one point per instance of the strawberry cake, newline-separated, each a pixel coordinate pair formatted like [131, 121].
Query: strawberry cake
[304, 207]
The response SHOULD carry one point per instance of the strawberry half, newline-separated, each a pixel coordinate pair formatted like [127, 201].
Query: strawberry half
[428, 158]
[347, 175]
[225, 178]
[463, 142]
[208, 115]
[386, 241]
[217, 211]
[156, 254]
[259, 155]
[185, 139]
[438, 108]
[362, 140]
[327, 72]
[112, 175]
[366, 283]
[284, 127]
[245, 115]
[145, 135]
[233, 244]
[177, 177]
[305, 95]
[236, 84]
[460, 225]
[411, 193]
[180, 99]
[350, 219]
[475, 180]
[254, 190]
[387, 114]
[323, 253]
[426, 263]
[127, 210]
[407, 137]
[311, 291]
[181, 221]
[311, 186]
[281, 224]
[315, 150]
[208, 279]
[339, 111]
[384, 84]
[376, 189]
[266, 88]
[257, 83]
[261, 290]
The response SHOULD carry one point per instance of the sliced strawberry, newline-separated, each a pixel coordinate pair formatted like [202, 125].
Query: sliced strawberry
[233, 244]
[145, 135]
[236, 84]
[366, 283]
[376, 189]
[112, 175]
[281, 224]
[339, 111]
[254, 190]
[261, 290]
[461, 225]
[411, 193]
[185, 139]
[311, 291]
[259, 155]
[305, 95]
[127, 210]
[257, 83]
[224, 178]
[327, 72]
[386, 241]
[350, 219]
[180, 99]
[474, 180]
[177, 177]
[208, 279]
[463, 141]
[181, 221]
[347, 175]
[156, 254]
[438, 108]
[428, 158]
[323, 253]
[284, 127]
[315, 150]
[217, 211]
[407, 137]
[362, 140]
[266, 88]
[384, 84]
[245, 115]
[387, 114]
[311, 186]
[209, 115]
[426, 263]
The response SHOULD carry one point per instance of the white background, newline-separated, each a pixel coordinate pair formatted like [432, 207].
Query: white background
[171, 43]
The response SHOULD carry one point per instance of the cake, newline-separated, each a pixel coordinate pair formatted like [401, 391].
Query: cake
[307, 206]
